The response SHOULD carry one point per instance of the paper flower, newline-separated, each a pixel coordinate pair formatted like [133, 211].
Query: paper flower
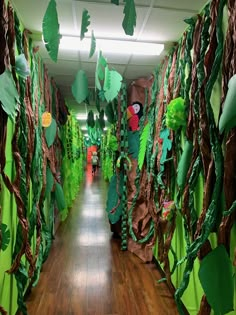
[176, 114]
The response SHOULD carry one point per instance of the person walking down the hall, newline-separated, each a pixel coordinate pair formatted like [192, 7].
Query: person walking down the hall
[94, 162]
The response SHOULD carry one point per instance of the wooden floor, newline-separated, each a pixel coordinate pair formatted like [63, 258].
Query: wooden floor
[86, 272]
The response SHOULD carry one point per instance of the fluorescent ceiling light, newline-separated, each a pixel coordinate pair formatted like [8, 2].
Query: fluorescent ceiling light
[112, 46]
[85, 116]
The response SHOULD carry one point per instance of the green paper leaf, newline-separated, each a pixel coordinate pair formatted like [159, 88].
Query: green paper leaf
[5, 233]
[143, 145]
[166, 144]
[51, 34]
[110, 113]
[85, 23]
[92, 46]
[49, 182]
[79, 87]
[22, 66]
[129, 21]
[59, 195]
[8, 94]
[100, 70]
[113, 207]
[115, 2]
[175, 114]
[216, 277]
[133, 143]
[90, 119]
[112, 84]
[184, 164]
[50, 132]
[113, 143]
[228, 116]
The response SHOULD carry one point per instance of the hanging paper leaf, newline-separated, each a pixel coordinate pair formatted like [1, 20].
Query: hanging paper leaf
[184, 164]
[115, 2]
[112, 84]
[92, 46]
[216, 277]
[8, 94]
[49, 182]
[50, 133]
[59, 195]
[228, 116]
[113, 206]
[166, 144]
[85, 23]
[51, 34]
[133, 143]
[101, 119]
[143, 145]
[5, 233]
[90, 119]
[100, 70]
[176, 114]
[79, 87]
[22, 66]
[129, 21]
[110, 113]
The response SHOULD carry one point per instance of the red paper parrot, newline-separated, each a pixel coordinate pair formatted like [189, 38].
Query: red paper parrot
[134, 113]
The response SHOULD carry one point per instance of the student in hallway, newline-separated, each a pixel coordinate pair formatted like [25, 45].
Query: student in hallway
[94, 162]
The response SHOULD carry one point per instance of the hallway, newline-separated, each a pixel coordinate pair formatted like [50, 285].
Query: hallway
[86, 273]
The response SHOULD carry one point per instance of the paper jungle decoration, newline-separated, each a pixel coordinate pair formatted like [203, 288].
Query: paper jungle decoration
[85, 23]
[228, 116]
[184, 164]
[168, 210]
[22, 66]
[129, 21]
[50, 132]
[143, 145]
[79, 87]
[46, 119]
[134, 113]
[5, 237]
[51, 34]
[176, 115]
[112, 84]
[92, 46]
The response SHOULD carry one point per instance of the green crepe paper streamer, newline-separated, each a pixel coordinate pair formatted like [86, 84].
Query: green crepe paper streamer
[51, 34]
[9, 96]
[176, 115]
[216, 277]
[112, 84]
[133, 143]
[5, 234]
[92, 46]
[59, 195]
[129, 21]
[100, 70]
[22, 66]
[79, 87]
[228, 116]
[49, 182]
[113, 143]
[50, 132]
[113, 199]
[85, 23]
[143, 145]
[184, 164]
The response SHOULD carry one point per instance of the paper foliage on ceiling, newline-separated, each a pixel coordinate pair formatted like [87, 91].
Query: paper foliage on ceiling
[112, 84]
[92, 46]
[79, 87]
[9, 96]
[51, 27]
[85, 23]
[100, 71]
[129, 21]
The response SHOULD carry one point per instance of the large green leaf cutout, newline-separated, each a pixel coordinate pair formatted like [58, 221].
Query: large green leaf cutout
[143, 145]
[110, 113]
[228, 116]
[59, 195]
[112, 84]
[133, 143]
[9, 96]
[114, 206]
[92, 46]
[22, 66]
[90, 119]
[79, 87]
[216, 277]
[85, 23]
[50, 132]
[5, 232]
[129, 21]
[49, 182]
[100, 71]
[51, 27]
[184, 164]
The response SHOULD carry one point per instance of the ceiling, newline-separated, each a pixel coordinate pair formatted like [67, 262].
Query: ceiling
[158, 21]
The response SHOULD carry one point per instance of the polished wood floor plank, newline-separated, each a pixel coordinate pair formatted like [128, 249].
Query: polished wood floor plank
[86, 272]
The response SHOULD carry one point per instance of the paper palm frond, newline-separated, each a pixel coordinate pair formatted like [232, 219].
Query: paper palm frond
[143, 145]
